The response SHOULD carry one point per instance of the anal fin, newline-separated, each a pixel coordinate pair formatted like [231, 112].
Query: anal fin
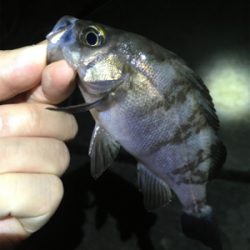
[156, 192]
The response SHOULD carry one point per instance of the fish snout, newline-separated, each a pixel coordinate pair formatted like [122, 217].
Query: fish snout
[64, 24]
[61, 35]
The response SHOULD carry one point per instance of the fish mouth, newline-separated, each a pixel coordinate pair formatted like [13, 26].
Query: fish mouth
[53, 37]
[54, 50]
[59, 39]
[64, 24]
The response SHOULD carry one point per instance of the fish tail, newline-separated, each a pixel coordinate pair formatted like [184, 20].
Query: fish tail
[203, 229]
[197, 220]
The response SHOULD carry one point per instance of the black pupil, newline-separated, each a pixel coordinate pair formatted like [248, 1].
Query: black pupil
[91, 38]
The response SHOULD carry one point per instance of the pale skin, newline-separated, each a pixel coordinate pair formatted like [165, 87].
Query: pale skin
[33, 154]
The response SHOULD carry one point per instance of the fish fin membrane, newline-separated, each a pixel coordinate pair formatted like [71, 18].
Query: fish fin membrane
[204, 98]
[156, 192]
[219, 154]
[102, 151]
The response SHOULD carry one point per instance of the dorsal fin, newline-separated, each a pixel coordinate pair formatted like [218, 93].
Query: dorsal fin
[205, 99]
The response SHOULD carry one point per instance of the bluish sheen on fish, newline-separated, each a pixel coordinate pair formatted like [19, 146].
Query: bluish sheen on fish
[147, 100]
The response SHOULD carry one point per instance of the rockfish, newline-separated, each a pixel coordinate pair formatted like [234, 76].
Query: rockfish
[146, 99]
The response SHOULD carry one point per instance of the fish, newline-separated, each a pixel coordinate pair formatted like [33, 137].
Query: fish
[147, 100]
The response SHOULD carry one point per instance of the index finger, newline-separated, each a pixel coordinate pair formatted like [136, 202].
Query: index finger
[21, 69]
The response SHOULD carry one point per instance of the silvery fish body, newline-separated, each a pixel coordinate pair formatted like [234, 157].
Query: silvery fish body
[148, 101]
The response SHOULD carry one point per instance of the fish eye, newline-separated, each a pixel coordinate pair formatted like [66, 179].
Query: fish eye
[93, 36]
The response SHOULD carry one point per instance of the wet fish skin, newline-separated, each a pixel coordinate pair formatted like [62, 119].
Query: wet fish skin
[157, 108]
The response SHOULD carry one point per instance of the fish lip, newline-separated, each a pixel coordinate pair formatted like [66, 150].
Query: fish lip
[54, 36]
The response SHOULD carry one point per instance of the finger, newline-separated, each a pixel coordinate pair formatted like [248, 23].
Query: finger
[21, 69]
[35, 120]
[33, 155]
[57, 84]
[10, 236]
[29, 198]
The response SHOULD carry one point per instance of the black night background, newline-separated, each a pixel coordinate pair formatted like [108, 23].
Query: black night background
[213, 37]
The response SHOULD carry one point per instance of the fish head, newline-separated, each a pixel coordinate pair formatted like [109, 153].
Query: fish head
[91, 49]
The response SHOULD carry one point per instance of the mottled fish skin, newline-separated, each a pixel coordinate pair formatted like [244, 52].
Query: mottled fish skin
[158, 109]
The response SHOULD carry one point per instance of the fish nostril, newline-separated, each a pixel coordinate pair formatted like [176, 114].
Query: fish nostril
[64, 22]
[63, 25]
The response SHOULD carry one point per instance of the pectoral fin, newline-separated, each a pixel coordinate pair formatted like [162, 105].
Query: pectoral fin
[102, 151]
[156, 192]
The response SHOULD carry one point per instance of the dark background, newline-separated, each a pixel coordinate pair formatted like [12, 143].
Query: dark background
[108, 213]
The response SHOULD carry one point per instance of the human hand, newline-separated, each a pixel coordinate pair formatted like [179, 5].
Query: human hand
[32, 150]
